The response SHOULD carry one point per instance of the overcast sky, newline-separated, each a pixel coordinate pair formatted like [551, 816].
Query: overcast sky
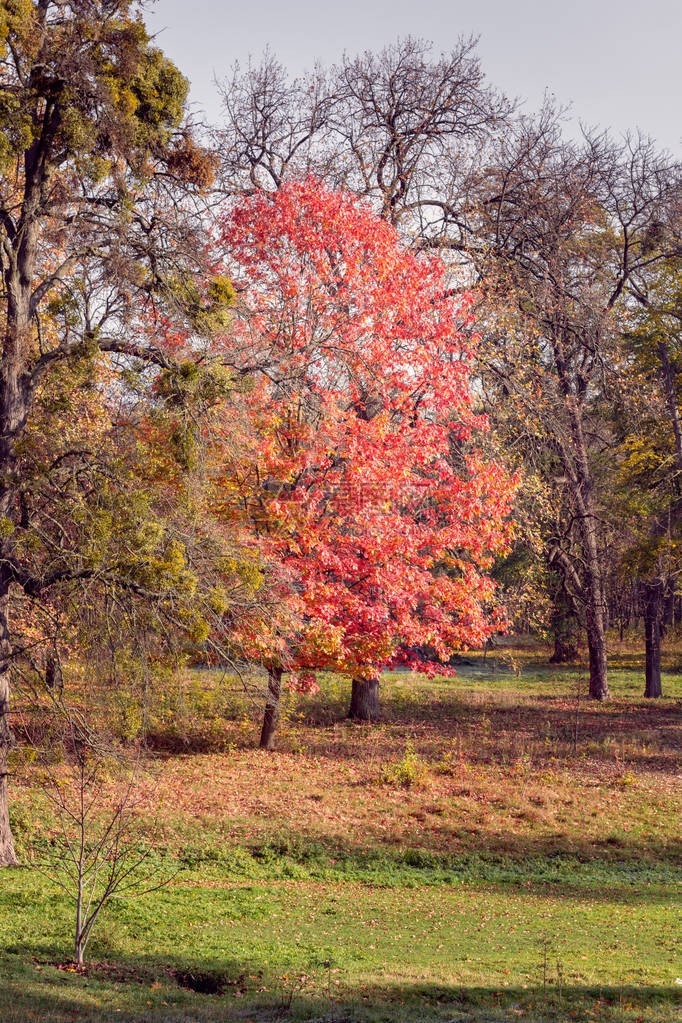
[618, 62]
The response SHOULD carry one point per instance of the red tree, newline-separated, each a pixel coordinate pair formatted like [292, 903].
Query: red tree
[367, 488]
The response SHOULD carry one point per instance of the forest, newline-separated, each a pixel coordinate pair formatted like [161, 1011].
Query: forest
[340, 525]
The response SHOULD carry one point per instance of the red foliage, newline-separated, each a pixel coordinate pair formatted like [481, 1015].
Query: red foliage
[367, 488]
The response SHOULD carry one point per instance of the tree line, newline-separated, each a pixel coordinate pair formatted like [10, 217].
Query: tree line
[301, 388]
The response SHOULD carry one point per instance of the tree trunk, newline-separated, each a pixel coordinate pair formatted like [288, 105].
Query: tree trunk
[653, 601]
[364, 700]
[7, 854]
[596, 645]
[20, 245]
[594, 604]
[13, 416]
[580, 484]
[565, 628]
[565, 648]
[271, 714]
[668, 611]
[78, 944]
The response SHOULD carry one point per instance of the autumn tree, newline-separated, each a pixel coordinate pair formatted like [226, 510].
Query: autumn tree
[97, 177]
[648, 471]
[564, 237]
[368, 489]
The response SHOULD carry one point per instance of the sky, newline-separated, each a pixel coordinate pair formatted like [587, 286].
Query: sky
[617, 62]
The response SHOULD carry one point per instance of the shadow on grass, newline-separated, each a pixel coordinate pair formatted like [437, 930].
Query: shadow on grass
[542, 714]
[533, 868]
[147, 989]
[495, 726]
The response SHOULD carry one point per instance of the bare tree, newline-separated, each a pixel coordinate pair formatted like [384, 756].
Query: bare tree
[408, 125]
[97, 854]
[399, 127]
[562, 234]
[275, 128]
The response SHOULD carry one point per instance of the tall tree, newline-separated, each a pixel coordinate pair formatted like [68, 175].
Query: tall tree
[93, 164]
[368, 489]
[563, 235]
[649, 476]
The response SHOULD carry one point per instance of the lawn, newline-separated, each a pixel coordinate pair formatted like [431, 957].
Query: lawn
[497, 848]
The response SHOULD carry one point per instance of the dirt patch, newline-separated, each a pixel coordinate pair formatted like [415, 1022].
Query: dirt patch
[203, 982]
[206, 982]
[119, 973]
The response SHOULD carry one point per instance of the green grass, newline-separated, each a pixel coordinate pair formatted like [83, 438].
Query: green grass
[390, 953]
[387, 950]
[472, 857]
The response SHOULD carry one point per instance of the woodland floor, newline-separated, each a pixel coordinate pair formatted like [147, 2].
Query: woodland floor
[496, 849]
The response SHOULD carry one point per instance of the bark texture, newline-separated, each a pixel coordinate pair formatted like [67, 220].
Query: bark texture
[653, 606]
[596, 645]
[271, 714]
[565, 628]
[364, 700]
[7, 855]
[574, 456]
